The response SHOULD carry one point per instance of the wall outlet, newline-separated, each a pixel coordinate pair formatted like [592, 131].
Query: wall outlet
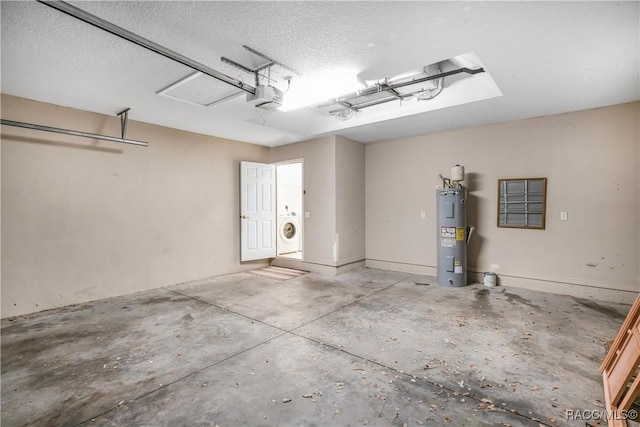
[564, 216]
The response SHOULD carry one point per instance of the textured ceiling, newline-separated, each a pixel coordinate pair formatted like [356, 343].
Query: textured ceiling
[544, 57]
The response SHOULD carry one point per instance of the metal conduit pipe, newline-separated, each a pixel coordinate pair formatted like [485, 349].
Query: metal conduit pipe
[382, 86]
[437, 76]
[72, 132]
[147, 44]
[393, 97]
[367, 104]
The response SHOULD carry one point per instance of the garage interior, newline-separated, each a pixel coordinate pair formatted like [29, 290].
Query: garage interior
[130, 296]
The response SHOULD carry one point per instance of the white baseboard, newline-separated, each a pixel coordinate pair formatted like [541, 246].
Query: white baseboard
[402, 267]
[315, 267]
[351, 265]
[580, 290]
[589, 291]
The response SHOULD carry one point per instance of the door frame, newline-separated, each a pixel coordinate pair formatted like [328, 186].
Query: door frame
[301, 217]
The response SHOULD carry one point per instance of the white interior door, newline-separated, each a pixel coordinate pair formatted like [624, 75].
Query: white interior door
[257, 211]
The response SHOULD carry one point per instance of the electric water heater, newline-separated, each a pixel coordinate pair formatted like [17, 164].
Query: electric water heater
[452, 230]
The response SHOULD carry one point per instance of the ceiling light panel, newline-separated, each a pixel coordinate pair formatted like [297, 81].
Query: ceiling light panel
[334, 115]
[424, 83]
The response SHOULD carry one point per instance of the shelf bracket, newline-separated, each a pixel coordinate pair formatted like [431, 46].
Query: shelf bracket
[124, 118]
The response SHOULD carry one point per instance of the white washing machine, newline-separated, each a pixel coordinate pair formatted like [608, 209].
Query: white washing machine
[288, 234]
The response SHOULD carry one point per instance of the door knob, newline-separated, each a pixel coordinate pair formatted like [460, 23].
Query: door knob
[244, 217]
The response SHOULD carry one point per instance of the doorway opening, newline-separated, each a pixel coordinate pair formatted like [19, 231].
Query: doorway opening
[289, 209]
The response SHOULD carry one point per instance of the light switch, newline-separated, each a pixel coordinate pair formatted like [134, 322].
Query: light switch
[564, 216]
[307, 214]
[423, 214]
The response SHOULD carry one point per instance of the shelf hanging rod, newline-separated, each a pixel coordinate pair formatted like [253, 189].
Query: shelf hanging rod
[147, 44]
[73, 132]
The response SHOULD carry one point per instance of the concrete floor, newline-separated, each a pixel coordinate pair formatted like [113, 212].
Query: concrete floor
[368, 347]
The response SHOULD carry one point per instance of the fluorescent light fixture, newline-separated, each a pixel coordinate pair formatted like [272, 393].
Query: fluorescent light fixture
[322, 87]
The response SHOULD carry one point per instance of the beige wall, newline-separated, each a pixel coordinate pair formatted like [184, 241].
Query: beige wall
[591, 161]
[334, 184]
[319, 165]
[84, 219]
[350, 200]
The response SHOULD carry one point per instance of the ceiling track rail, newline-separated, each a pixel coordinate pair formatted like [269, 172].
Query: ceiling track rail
[145, 43]
[263, 56]
[256, 71]
[122, 140]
